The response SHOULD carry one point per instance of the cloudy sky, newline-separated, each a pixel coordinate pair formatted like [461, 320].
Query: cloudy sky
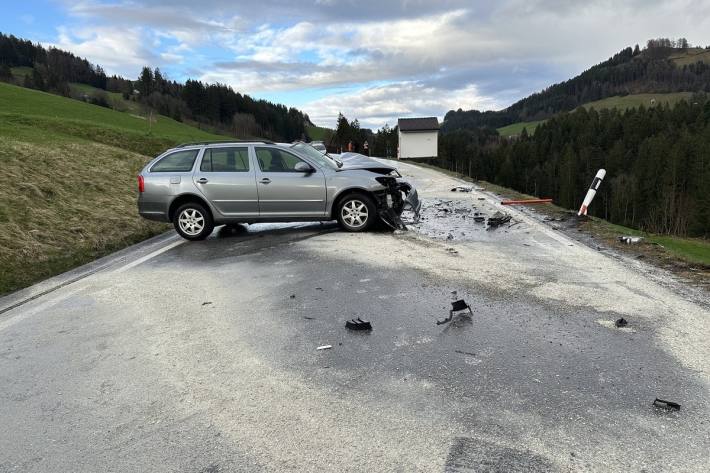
[374, 60]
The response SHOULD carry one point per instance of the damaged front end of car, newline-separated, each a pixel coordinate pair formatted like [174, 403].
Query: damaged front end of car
[398, 198]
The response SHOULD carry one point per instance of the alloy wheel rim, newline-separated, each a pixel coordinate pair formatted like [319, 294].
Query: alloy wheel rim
[354, 213]
[191, 222]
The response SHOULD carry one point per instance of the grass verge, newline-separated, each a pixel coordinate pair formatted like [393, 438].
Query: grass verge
[68, 187]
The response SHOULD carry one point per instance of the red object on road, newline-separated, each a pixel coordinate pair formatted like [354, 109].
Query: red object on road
[528, 201]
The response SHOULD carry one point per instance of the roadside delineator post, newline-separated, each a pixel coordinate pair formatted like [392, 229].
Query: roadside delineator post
[592, 191]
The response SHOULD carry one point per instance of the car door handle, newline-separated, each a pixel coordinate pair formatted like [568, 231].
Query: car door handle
[265, 180]
[202, 180]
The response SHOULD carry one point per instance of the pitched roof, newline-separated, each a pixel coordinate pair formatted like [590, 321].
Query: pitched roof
[418, 124]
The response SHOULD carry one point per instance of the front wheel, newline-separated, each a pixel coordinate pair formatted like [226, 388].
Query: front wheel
[356, 213]
[193, 222]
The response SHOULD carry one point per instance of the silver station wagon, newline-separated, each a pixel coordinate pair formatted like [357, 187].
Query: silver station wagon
[197, 186]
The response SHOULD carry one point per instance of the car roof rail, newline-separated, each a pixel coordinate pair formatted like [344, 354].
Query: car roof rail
[221, 142]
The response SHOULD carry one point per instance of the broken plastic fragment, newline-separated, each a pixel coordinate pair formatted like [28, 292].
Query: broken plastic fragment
[663, 404]
[462, 189]
[358, 324]
[456, 306]
[324, 347]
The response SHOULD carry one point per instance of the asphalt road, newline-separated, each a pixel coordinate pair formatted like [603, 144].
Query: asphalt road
[201, 357]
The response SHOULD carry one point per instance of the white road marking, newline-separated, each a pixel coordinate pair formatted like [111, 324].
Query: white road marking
[66, 293]
[145, 258]
[5, 324]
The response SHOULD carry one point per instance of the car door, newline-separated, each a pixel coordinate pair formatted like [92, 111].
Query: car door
[228, 181]
[285, 192]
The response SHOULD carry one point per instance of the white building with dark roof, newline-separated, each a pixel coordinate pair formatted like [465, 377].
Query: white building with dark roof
[418, 137]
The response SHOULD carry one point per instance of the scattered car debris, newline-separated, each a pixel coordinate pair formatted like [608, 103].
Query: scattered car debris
[668, 405]
[630, 240]
[465, 352]
[622, 322]
[456, 307]
[324, 347]
[358, 324]
[497, 219]
[462, 189]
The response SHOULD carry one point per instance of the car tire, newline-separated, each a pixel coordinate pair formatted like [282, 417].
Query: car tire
[356, 213]
[193, 221]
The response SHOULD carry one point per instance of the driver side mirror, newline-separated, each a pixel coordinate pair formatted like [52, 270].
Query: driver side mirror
[303, 167]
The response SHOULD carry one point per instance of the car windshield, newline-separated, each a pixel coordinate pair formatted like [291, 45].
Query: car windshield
[320, 158]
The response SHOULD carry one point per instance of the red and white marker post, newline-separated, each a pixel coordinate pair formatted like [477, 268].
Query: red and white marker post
[592, 191]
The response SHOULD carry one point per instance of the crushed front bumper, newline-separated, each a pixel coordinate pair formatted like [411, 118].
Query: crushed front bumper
[398, 197]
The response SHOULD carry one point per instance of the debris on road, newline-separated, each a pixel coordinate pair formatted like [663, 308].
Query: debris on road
[452, 251]
[497, 219]
[456, 307]
[293, 296]
[668, 405]
[358, 324]
[621, 322]
[207, 303]
[630, 240]
[462, 189]
[324, 347]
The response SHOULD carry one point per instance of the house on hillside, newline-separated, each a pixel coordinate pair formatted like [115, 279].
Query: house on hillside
[418, 137]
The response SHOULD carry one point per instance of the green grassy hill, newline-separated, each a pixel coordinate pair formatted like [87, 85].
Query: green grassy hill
[517, 128]
[619, 102]
[318, 133]
[636, 100]
[68, 186]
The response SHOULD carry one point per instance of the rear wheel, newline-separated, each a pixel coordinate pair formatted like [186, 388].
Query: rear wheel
[356, 213]
[193, 222]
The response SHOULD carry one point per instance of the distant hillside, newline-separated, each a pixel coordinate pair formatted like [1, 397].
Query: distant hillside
[663, 66]
[68, 181]
[621, 103]
[216, 106]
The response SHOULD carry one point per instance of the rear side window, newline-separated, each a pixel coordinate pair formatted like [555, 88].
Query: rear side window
[225, 160]
[276, 160]
[180, 161]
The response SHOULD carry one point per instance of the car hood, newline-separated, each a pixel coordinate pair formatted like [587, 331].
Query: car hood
[358, 161]
[372, 166]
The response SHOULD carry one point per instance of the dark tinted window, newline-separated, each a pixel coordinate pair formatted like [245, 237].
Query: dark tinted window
[180, 161]
[225, 160]
[276, 160]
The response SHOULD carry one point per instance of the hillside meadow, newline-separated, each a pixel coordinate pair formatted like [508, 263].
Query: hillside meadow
[68, 186]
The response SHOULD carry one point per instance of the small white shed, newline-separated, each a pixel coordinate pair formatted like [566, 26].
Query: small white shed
[418, 137]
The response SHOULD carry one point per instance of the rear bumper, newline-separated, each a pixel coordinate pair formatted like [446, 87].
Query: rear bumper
[154, 215]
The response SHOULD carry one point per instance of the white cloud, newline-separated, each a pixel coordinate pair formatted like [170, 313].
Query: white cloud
[375, 106]
[117, 50]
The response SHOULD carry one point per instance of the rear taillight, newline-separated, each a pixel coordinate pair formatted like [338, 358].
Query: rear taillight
[141, 184]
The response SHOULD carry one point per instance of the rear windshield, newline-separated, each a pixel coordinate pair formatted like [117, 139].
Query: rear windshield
[179, 161]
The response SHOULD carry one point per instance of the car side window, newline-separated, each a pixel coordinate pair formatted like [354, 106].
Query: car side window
[225, 160]
[180, 161]
[276, 160]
